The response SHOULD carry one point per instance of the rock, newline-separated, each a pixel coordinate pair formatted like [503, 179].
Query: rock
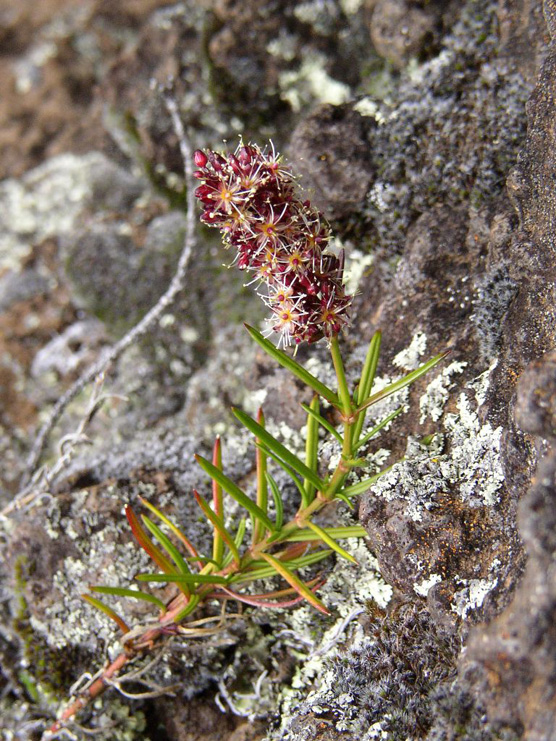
[440, 183]
[70, 352]
[399, 30]
[332, 148]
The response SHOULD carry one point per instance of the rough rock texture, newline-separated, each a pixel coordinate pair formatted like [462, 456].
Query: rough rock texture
[425, 133]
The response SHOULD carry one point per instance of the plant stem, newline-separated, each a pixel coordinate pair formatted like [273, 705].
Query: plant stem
[343, 390]
[344, 466]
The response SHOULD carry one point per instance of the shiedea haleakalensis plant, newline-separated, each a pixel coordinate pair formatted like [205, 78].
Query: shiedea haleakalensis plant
[281, 241]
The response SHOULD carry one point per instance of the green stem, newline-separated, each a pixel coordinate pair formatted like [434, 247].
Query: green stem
[343, 467]
[262, 490]
[343, 390]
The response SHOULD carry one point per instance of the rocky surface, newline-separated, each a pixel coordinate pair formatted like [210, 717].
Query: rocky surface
[424, 130]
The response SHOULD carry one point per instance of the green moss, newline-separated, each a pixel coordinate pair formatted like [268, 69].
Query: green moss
[45, 673]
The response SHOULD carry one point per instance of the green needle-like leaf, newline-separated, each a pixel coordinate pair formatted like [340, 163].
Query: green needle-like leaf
[234, 491]
[259, 571]
[278, 504]
[355, 489]
[295, 582]
[122, 625]
[217, 502]
[259, 531]
[188, 609]
[287, 362]
[284, 466]
[184, 578]
[218, 526]
[167, 544]
[146, 543]
[403, 382]
[132, 593]
[238, 540]
[177, 532]
[324, 422]
[329, 540]
[367, 379]
[378, 428]
[343, 498]
[280, 450]
[312, 446]
[350, 531]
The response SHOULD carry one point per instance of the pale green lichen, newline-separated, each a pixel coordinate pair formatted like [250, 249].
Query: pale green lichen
[351, 7]
[424, 587]
[358, 264]
[347, 591]
[311, 82]
[46, 202]
[368, 107]
[410, 358]
[437, 393]
[472, 595]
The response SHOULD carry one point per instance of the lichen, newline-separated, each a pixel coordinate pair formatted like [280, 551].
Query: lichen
[311, 82]
[347, 591]
[437, 393]
[410, 357]
[46, 202]
[472, 595]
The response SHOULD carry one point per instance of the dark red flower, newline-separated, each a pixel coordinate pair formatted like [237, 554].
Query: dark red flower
[253, 199]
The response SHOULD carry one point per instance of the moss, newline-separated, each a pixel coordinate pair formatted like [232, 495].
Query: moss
[44, 673]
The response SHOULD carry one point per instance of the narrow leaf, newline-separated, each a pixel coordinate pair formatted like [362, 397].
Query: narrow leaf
[188, 609]
[183, 578]
[170, 548]
[234, 491]
[350, 531]
[293, 551]
[324, 422]
[295, 582]
[329, 540]
[309, 559]
[360, 488]
[132, 593]
[177, 532]
[167, 544]
[278, 504]
[367, 436]
[217, 502]
[366, 383]
[259, 571]
[280, 450]
[284, 466]
[238, 540]
[287, 362]
[146, 543]
[403, 382]
[218, 525]
[312, 446]
[259, 531]
[122, 625]
[369, 367]
[343, 498]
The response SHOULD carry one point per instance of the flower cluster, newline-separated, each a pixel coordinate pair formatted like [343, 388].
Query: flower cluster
[253, 200]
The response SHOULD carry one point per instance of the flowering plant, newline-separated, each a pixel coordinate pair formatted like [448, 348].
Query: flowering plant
[253, 199]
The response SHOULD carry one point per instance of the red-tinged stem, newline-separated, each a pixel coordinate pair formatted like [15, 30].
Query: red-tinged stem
[145, 641]
[96, 689]
[256, 601]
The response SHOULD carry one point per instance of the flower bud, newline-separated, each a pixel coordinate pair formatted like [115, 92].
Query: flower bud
[200, 158]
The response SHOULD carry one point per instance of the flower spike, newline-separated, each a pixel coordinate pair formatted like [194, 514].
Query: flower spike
[254, 201]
